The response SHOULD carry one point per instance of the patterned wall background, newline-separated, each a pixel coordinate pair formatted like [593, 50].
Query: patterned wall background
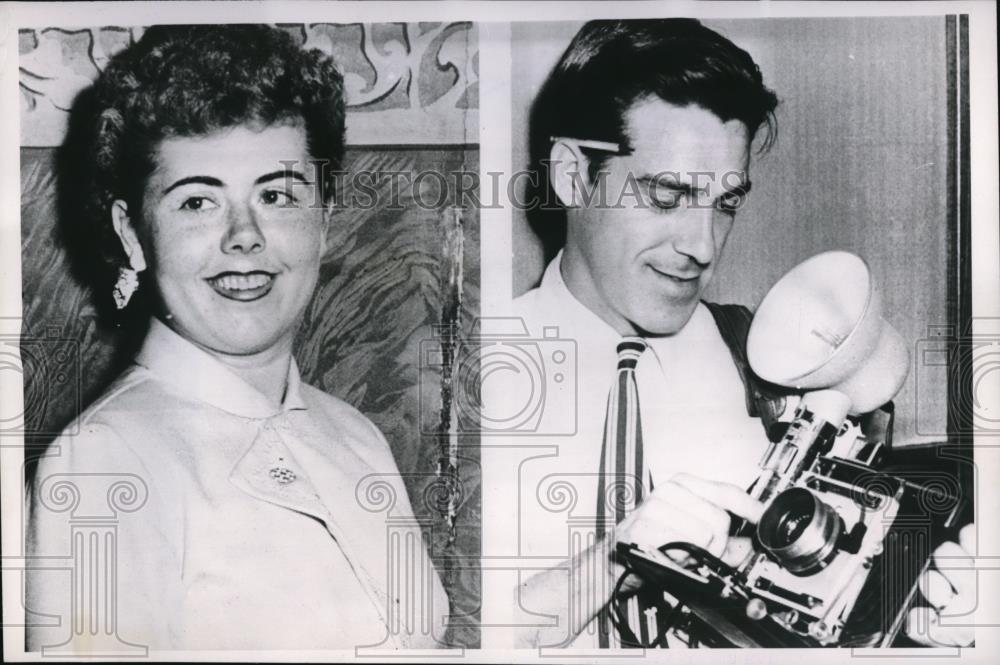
[406, 83]
[399, 289]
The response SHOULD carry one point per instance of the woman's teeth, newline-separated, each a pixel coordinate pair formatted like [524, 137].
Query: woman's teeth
[242, 282]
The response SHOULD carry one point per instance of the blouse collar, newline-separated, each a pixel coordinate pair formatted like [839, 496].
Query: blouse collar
[196, 374]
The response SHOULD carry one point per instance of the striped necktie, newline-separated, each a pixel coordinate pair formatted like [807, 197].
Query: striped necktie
[620, 485]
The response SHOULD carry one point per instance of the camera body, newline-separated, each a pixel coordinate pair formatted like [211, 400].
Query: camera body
[840, 546]
[838, 551]
[842, 542]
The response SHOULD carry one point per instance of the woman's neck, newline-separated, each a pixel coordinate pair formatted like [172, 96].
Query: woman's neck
[267, 370]
[267, 374]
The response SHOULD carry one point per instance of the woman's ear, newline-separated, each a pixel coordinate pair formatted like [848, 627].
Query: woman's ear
[324, 230]
[567, 172]
[125, 231]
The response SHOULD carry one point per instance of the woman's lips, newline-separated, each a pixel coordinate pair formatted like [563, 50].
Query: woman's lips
[243, 286]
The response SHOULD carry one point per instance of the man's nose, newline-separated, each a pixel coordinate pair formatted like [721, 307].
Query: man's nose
[243, 233]
[694, 234]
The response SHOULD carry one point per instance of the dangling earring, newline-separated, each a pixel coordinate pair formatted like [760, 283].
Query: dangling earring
[128, 282]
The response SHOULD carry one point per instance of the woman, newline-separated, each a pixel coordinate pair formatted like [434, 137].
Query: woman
[207, 499]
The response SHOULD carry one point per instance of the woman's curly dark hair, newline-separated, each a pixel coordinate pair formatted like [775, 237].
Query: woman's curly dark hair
[190, 80]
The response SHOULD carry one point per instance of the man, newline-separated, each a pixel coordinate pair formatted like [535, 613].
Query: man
[648, 129]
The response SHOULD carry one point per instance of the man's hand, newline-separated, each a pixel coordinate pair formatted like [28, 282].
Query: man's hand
[693, 510]
[685, 508]
[951, 591]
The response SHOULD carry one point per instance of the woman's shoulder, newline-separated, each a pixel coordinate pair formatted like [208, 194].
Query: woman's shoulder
[326, 403]
[338, 414]
[111, 426]
[131, 395]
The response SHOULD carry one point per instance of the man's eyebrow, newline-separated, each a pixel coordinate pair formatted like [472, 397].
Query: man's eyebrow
[661, 181]
[195, 180]
[275, 175]
[742, 188]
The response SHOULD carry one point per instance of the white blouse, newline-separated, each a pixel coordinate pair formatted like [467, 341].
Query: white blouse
[189, 513]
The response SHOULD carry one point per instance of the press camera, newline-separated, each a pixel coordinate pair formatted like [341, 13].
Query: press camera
[840, 547]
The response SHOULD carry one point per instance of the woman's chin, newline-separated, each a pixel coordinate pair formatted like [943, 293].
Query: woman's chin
[255, 342]
[251, 347]
[235, 339]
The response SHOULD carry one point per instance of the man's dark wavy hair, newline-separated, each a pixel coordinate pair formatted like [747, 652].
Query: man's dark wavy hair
[191, 80]
[611, 65]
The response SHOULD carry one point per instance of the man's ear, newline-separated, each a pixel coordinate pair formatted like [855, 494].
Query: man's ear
[125, 230]
[567, 172]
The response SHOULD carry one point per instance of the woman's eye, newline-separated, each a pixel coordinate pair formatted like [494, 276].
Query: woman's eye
[197, 204]
[277, 197]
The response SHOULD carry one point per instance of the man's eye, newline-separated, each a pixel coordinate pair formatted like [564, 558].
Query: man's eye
[197, 204]
[277, 197]
[664, 199]
[730, 202]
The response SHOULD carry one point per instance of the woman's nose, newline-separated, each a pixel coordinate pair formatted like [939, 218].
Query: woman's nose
[243, 233]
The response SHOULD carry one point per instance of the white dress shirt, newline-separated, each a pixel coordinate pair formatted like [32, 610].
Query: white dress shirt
[693, 414]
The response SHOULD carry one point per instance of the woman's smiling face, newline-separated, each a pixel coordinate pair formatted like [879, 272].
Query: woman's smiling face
[231, 232]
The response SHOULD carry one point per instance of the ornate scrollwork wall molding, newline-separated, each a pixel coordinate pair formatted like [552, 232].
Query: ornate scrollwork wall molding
[406, 83]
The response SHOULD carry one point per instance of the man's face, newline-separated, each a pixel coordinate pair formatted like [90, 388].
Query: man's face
[642, 261]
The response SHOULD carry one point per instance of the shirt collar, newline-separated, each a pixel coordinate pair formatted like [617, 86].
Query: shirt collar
[198, 375]
[580, 320]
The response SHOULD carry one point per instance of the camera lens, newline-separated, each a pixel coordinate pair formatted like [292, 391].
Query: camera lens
[791, 527]
[800, 531]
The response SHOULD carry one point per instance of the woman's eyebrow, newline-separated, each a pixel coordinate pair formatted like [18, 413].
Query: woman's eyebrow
[274, 175]
[196, 180]
[215, 182]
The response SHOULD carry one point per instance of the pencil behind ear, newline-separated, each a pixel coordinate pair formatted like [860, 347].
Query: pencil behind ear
[567, 170]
